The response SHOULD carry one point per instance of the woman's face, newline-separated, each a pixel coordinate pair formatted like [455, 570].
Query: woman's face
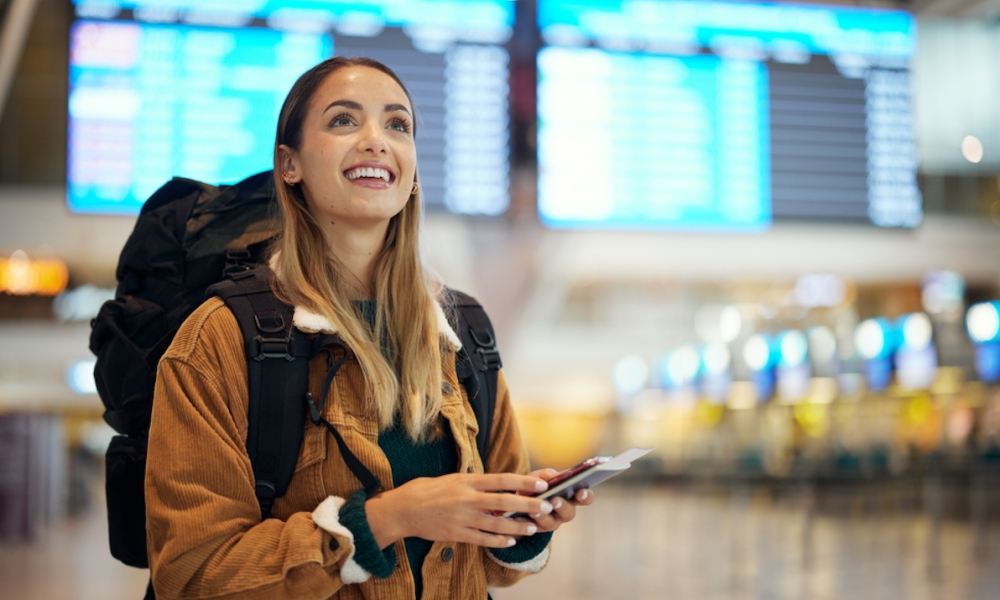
[357, 159]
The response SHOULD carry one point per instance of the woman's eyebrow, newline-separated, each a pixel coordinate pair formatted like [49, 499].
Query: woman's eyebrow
[355, 106]
[345, 103]
[394, 107]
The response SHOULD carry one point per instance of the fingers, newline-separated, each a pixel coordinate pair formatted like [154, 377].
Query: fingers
[563, 511]
[500, 525]
[504, 503]
[487, 540]
[508, 482]
[545, 474]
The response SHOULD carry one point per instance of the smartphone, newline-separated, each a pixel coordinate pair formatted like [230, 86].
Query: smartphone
[568, 474]
[586, 475]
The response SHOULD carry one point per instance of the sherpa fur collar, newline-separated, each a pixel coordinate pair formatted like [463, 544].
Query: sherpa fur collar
[310, 322]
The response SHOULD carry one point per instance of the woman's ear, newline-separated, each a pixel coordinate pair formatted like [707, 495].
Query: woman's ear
[289, 165]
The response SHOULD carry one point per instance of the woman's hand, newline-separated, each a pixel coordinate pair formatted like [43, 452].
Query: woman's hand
[457, 507]
[563, 510]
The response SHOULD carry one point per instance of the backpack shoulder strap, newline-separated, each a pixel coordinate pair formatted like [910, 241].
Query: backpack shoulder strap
[477, 363]
[278, 379]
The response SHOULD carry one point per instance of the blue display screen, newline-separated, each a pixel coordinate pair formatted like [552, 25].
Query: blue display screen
[477, 15]
[813, 28]
[724, 115]
[662, 140]
[166, 88]
[151, 101]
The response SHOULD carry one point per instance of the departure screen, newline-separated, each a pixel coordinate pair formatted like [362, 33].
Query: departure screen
[192, 88]
[724, 115]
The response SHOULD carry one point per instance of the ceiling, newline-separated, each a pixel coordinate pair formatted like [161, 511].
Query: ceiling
[964, 9]
[970, 9]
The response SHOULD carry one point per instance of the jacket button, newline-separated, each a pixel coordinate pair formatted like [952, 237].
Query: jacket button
[447, 554]
[468, 469]
[446, 388]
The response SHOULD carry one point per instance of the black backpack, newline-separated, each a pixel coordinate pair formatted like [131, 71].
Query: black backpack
[191, 241]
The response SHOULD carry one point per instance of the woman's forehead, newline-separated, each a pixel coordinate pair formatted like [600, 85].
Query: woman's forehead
[360, 83]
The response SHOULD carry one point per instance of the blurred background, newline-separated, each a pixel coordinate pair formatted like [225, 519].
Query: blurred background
[763, 238]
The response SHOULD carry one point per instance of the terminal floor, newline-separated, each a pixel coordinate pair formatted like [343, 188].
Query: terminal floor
[649, 542]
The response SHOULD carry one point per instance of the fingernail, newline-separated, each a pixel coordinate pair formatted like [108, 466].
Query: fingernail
[546, 508]
[584, 494]
[511, 542]
[536, 515]
[541, 486]
[532, 528]
[557, 503]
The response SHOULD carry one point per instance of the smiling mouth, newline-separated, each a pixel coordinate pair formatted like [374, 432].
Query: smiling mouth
[376, 173]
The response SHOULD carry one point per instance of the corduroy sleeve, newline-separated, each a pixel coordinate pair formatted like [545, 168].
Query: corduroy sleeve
[508, 454]
[205, 536]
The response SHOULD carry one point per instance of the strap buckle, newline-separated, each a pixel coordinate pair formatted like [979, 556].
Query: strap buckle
[489, 356]
[314, 415]
[271, 348]
[265, 495]
[237, 261]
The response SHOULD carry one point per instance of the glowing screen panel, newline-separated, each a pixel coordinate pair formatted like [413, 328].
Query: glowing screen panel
[192, 88]
[724, 115]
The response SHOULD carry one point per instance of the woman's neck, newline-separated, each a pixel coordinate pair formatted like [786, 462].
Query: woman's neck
[357, 250]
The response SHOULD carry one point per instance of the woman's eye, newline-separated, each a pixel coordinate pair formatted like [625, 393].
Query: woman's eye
[399, 125]
[341, 121]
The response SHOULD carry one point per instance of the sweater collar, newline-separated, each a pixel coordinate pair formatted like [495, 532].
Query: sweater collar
[311, 322]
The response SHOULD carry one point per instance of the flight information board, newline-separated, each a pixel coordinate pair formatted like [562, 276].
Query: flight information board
[724, 115]
[192, 88]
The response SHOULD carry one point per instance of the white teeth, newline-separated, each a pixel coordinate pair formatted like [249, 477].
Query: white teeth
[368, 172]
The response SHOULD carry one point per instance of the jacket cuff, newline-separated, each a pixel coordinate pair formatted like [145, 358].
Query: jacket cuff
[529, 555]
[366, 551]
[327, 517]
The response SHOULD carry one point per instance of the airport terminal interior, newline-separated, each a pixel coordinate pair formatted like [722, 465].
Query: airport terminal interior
[761, 238]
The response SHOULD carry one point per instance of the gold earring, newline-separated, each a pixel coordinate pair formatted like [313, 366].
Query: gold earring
[416, 188]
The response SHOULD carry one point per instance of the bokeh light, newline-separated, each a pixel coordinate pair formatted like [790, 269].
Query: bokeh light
[630, 374]
[757, 353]
[917, 331]
[972, 149]
[983, 322]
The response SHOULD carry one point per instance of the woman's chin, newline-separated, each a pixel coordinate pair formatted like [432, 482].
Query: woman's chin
[365, 214]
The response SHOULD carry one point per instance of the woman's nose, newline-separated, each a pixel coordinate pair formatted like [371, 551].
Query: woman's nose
[372, 139]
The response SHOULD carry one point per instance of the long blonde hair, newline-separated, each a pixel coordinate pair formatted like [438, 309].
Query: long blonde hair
[403, 369]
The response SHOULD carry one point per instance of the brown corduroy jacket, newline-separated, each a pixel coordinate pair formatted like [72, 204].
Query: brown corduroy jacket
[205, 534]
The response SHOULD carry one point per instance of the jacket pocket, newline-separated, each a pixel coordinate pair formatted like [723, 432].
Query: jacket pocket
[313, 447]
[464, 428]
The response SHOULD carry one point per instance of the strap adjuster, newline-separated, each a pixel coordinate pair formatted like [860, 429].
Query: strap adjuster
[271, 348]
[265, 489]
[265, 495]
[237, 261]
[238, 254]
[489, 356]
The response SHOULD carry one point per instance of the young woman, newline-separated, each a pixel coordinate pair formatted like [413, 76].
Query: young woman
[346, 178]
